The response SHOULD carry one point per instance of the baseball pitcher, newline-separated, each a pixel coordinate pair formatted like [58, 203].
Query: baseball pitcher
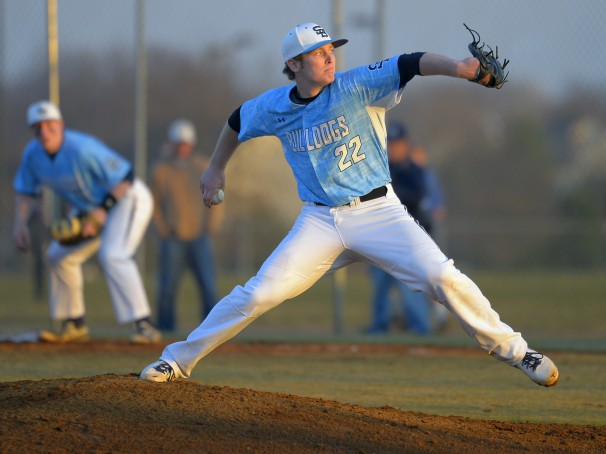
[351, 213]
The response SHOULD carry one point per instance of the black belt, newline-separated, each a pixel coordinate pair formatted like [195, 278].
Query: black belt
[374, 194]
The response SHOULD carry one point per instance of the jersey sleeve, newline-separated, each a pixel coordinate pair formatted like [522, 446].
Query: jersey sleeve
[109, 167]
[257, 115]
[384, 79]
[373, 82]
[25, 181]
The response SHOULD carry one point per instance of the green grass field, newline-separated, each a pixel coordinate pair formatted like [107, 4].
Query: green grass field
[562, 314]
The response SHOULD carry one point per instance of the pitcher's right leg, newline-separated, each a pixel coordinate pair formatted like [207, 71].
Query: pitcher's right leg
[304, 256]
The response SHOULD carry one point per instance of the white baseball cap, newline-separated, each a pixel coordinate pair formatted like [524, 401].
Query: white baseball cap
[42, 111]
[182, 131]
[305, 38]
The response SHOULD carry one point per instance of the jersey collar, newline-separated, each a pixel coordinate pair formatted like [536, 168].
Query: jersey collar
[296, 99]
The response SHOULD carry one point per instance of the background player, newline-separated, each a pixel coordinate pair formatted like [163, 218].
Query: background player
[351, 212]
[98, 182]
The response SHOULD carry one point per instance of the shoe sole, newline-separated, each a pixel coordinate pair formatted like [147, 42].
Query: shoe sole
[553, 380]
[153, 379]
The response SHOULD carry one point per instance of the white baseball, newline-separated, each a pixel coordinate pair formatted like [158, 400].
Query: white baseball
[218, 197]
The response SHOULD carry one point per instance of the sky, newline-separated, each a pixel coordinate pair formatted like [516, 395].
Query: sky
[550, 42]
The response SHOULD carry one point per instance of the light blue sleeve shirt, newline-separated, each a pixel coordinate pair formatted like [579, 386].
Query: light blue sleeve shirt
[82, 172]
[331, 145]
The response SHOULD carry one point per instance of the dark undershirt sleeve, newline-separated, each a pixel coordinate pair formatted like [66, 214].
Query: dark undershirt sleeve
[130, 176]
[234, 120]
[408, 65]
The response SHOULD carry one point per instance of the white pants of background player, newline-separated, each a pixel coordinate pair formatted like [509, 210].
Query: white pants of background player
[126, 224]
[380, 232]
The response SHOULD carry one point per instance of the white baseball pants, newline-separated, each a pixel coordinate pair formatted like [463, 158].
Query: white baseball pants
[380, 232]
[124, 229]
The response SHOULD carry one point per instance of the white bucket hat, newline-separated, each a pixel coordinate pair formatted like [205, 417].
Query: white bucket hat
[182, 131]
[305, 38]
[42, 111]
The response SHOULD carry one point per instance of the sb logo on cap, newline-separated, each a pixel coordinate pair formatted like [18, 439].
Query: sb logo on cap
[320, 31]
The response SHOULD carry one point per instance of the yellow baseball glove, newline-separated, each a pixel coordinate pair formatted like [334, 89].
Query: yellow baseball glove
[69, 231]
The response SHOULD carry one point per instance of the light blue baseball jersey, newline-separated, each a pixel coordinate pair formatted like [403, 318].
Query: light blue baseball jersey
[330, 143]
[82, 172]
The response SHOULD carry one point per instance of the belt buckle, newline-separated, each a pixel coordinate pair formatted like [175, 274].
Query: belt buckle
[355, 202]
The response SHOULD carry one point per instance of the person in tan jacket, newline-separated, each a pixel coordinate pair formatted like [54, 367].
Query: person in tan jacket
[185, 225]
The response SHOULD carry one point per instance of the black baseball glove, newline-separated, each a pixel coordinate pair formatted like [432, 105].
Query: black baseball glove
[489, 63]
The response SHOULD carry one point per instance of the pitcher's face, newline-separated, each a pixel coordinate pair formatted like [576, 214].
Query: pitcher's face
[318, 66]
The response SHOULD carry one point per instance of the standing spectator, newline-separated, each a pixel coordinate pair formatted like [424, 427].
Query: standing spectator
[185, 225]
[408, 181]
[433, 205]
[97, 181]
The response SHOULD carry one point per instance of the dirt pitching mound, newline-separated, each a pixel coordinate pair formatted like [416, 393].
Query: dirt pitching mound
[114, 413]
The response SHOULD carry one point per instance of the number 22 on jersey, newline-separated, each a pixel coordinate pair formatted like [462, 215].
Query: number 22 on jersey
[349, 153]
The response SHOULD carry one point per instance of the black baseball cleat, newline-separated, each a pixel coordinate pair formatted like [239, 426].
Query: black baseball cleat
[539, 368]
[159, 371]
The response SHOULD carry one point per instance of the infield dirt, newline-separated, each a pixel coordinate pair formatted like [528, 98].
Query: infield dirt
[120, 413]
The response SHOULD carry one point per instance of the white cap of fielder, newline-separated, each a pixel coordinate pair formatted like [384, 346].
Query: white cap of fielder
[182, 131]
[305, 38]
[42, 111]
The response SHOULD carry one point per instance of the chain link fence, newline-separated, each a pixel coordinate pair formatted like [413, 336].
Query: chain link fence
[523, 169]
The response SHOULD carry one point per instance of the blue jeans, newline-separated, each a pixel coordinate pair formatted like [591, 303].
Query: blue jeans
[175, 254]
[415, 305]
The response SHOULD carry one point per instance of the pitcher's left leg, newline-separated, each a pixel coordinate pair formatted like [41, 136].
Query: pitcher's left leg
[415, 259]
[399, 245]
